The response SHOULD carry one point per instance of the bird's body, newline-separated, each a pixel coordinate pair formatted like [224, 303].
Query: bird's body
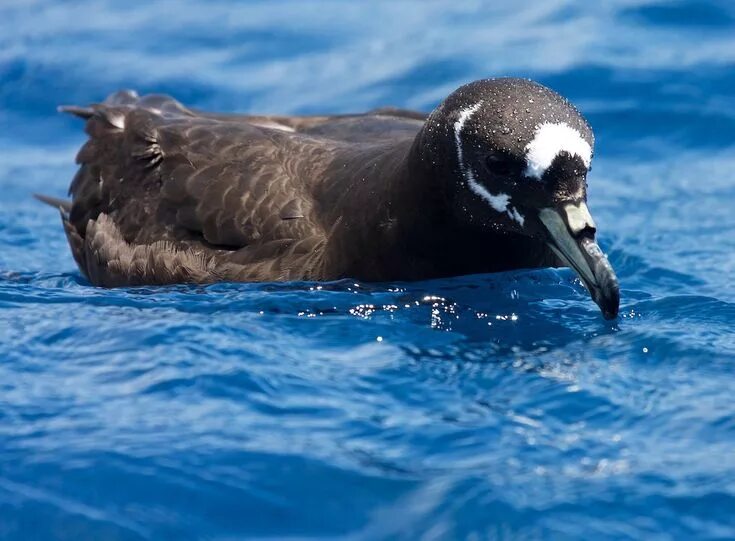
[165, 194]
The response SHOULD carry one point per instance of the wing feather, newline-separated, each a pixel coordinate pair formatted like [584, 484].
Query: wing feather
[154, 174]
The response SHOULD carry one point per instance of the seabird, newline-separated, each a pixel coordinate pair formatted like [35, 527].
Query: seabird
[493, 179]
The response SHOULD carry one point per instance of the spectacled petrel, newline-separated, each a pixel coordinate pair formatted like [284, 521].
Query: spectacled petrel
[495, 178]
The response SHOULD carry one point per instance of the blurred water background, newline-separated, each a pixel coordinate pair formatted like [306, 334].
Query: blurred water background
[483, 407]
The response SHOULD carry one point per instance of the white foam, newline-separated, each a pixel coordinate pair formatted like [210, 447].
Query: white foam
[551, 139]
[500, 202]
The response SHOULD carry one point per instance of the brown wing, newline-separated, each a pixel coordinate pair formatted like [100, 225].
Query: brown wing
[157, 181]
[373, 126]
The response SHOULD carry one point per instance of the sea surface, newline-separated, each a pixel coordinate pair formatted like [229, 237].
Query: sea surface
[479, 407]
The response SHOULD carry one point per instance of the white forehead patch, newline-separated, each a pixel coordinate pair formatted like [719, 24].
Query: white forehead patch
[501, 201]
[551, 139]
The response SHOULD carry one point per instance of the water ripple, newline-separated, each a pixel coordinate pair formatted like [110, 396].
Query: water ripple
[478, 407]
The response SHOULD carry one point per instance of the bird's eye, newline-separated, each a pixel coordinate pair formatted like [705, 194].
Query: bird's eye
[499, 165]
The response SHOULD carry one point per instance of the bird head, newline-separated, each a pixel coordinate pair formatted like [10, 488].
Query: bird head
[518, 163]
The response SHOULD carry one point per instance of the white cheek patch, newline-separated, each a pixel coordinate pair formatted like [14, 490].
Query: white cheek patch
[464, 116]
[500, 202]
[551, 139]
[517, 216]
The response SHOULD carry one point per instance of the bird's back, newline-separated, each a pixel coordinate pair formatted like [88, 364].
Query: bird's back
[165, 194]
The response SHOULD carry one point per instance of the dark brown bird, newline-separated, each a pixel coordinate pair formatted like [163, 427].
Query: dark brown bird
[493, 179]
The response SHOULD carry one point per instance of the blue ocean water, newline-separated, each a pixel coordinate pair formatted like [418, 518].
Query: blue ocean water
[480, 407]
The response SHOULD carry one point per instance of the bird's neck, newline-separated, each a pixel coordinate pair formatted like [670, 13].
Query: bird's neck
[378, 201]
[389, 217]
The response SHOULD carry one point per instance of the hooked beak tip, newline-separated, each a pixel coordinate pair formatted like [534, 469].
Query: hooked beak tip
[579, 250]
[605, 290]
[609, 303]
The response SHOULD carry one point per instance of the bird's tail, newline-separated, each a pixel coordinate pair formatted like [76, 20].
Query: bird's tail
[64, 205]
[81, 112]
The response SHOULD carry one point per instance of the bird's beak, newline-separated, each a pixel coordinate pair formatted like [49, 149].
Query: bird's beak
[572, 237]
